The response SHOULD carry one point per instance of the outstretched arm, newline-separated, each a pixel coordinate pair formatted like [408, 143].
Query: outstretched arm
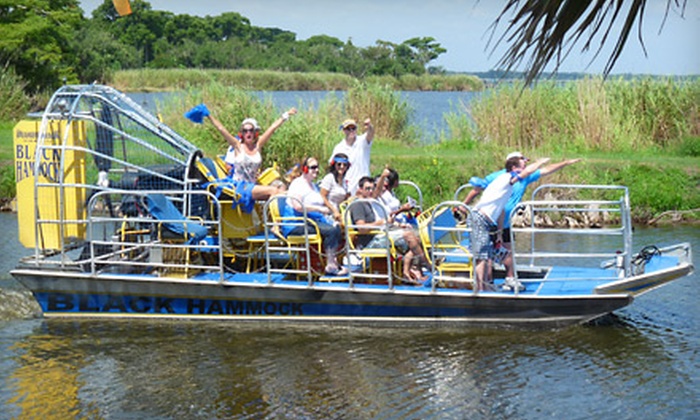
[529, 169]
[230, 138]
[550, 169]
[369, 130]
[379, 189]
[265, 137]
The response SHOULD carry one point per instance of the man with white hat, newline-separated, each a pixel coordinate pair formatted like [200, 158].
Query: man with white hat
[358, 149]
[518, 192]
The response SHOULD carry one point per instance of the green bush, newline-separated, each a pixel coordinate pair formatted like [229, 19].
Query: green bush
[14, 103]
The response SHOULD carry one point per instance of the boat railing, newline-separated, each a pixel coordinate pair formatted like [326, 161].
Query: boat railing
[405, 184]
[558, 228]
[142, 242]
[277, 219]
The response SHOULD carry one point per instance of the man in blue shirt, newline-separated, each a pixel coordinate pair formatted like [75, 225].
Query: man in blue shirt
[519, 188]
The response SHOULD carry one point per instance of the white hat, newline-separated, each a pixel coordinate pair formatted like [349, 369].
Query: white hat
[516, 155]
[251, 121]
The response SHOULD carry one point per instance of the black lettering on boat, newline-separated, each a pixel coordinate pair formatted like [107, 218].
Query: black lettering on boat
[114, 302]
[270, 308]
[161, 304]
[84, 304]
[234, 307]
[140, 304]
[60, 302]
[215, 307]
[196, 304]
[254, 308]
[296, 309]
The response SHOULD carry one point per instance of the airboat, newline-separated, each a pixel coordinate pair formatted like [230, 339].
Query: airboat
[124, 218]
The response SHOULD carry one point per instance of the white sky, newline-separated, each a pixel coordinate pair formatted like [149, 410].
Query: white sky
[460, 26]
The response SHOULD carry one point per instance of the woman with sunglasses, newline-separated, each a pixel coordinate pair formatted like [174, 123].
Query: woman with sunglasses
[334, 186]
[243, 158]
[308, 194]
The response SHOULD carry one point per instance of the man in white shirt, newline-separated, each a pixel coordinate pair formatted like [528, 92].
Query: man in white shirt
[358, 149]
[488, 215]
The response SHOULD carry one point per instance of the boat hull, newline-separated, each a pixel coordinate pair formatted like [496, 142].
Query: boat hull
[80, 295]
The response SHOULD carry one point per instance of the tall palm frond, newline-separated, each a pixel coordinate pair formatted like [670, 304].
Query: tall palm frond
[543, 31]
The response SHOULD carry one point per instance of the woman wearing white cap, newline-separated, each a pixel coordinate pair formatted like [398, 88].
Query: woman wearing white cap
[244, 159]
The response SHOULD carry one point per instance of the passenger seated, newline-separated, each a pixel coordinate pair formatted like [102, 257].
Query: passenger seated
[334, 186]
[405, 241]
[307, 193]
[397, 212]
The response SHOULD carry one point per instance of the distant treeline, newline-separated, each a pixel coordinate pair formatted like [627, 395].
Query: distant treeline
[49, 42]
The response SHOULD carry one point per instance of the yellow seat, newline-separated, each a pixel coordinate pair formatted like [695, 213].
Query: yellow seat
[236, 225]
[446, 246]
[375, 263]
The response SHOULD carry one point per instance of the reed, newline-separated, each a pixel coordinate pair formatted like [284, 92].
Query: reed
[589, 115]
[179, 79]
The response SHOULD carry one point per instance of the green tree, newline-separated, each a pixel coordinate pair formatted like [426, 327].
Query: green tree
[35, 40]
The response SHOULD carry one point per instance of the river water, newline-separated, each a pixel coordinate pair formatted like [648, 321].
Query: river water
[428, 109]
[642, 362]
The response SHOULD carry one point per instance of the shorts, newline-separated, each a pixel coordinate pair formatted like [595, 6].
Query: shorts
[396, 236]
[481, 240]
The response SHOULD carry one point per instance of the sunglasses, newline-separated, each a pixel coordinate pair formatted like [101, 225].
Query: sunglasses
[313, 168]
[248, 130]
[341, 164]
[351, 128]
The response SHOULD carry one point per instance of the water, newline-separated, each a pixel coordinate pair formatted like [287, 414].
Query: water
[429, 108]
[640, 363]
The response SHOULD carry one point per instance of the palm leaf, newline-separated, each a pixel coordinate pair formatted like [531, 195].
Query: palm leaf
[543, 32]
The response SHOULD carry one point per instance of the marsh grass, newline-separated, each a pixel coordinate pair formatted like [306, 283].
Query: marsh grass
[179, 79]
[589, 115]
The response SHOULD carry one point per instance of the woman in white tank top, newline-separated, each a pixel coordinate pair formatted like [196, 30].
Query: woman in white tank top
[244, 156]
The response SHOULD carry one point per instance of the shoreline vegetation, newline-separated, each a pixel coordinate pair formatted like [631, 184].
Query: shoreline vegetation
[159, 80]
[642, 133]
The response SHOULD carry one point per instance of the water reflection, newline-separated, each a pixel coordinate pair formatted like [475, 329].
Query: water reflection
[211, 370]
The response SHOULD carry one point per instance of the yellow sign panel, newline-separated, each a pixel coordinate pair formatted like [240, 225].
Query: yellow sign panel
[63, 169]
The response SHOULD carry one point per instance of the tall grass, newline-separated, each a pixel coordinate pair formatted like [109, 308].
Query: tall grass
[312, 132]
[179, 79]
[589, 115]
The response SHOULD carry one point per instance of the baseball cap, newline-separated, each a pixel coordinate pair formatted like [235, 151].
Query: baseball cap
[251, 121]
[516, 155]
[348, 123]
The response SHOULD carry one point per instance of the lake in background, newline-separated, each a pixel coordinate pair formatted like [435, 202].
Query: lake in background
[428, 108]
[641, 363]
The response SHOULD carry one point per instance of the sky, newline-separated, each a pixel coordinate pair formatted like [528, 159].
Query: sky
[460, 26]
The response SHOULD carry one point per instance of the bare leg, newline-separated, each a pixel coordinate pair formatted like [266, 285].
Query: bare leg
[407, 261]
[482, 267]
[414, 246]
[263, 192]
[508, 261]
